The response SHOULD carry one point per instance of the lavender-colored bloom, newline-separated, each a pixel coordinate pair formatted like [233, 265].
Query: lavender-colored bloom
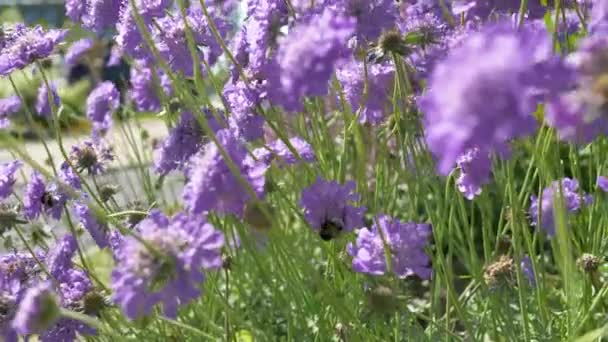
[102, 103]
[8, 106]
[152, 8]
[599, 17]
[475, 168]
[59, 258]
[243, 100]
[101, 14]
[26, 45]
[38, 310]
[499, 63]
[98, 230]
[7, 177]
[482, 9]
[184, 141]
[129, 39]
[39, 197]
[372, 16]
[307, 57]
[75, 9]
[91, 156]
[170, 39]
[379, 83]
[528, 270]
[278, 149]
[8, 304]
[142, 278]
[579, 115]
[43, 106]
[69, 176]
[213, 187]
[144, 90]
[17, 273]
[602, 183]
[329, 208]
[77, 50]
[406, 242]
[573, 201]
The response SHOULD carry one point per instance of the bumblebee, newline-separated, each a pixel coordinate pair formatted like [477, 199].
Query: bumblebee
[331, 228]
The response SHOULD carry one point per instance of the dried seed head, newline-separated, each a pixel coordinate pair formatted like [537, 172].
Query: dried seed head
[588, 262]
[500, 272]
[93, 302]
[107, 191]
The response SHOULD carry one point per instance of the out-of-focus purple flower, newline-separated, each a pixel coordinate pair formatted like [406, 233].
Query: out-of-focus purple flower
[379, 83]
[528, 270]
[580, 115]
[7, 177]
[184, 141]
[102, 103]
[599, 17]
[602, 183]
[172, 274]
[59, 258]
[243, 101]
[26, 45]
[98, 230]
[279, 150]
[74, 9]
[406, 242]
[213, 187]
[475, 168]
[573, 201]
[17, 272]
[372, 16]
[77, 50]
[144, 92]
[69, 176]
[307, 57]
[170, 39]
[8, 106]
[483, 9]
[499, 63]
[152, 8]
[39, 197]
[329, 208]
[43, 106]
[128, 38]
[38, 310]
[91, 156]
[101, 14]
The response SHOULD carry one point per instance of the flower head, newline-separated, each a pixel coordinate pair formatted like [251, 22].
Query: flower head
[602, 183]
[8, 106]
[25, 46]
[213, 187]
[405, 241]
[43, 106]
[541, 209]
[329, 208]
[91, 156]
[499, 63]
[38, 310]
[77, 50]
[101, 14]
[102, 103]
[7, 177]
[280, 151]
[171, 274]
[475, 171]
[307, 57]
[94, 225]
[39, 197]
[244, 118]
[144, 90]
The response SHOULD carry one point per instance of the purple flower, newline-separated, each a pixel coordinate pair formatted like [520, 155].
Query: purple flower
[602, 183]
[74, 9]
[38, 310]
[307, 57]
[8, 303]
[184, 141]
[59, 258]
[8, 106]
[7, 177]
[101, 14]
[144, 91]
[91, 156]
[379, 89]
[372, 16]
[26, 45]
[171, 274]
[129, 39]
[579, 115]
[599, 17]
[102, 103]
[43, 106]
[329, 208]
[17, 272]
[278, 149]
[475, 168]
[573, 201]
[152, 8]
[405, 241]
[39, 197]
[484, 8]
[213, 187]
[499, 63]
[244, 118]
[528, 270]
[88, 219]
[77, 50]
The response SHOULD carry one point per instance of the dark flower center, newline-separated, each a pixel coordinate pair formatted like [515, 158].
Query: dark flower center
[86, 159]
[330, 229]
[47, 199]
